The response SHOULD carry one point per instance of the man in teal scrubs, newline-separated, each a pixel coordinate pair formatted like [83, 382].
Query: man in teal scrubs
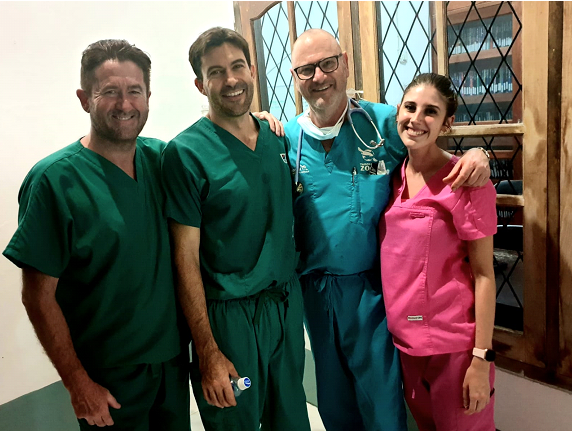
[93, 245]
[344, 187]
[229, 200]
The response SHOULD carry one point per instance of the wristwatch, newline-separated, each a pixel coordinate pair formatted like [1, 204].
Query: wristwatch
[488, 355]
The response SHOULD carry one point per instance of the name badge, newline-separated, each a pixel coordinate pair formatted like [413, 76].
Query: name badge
[414, 318]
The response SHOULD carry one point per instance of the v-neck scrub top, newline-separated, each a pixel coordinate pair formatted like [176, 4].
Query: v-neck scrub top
[103, 234]
[240, 199]
[427, 280]
[345, 191]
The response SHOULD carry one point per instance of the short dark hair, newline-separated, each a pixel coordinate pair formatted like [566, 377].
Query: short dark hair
[99, 52]
[442, 84]
[213, 38]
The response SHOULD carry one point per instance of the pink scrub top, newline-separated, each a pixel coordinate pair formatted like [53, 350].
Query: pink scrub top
[427, 280]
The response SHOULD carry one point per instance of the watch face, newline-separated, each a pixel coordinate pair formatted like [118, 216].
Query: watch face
[490, 355]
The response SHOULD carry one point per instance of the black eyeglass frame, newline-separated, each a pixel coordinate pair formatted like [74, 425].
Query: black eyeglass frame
[317, 64]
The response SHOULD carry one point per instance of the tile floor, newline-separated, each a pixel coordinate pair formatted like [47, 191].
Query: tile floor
[197, 425]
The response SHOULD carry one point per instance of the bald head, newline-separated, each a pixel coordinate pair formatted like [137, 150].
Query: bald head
[312, 41]
[325, 92]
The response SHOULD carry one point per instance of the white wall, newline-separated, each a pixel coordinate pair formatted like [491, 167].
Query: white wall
[40, 50]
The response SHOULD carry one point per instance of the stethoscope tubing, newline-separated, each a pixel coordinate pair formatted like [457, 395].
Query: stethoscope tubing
[356, 109]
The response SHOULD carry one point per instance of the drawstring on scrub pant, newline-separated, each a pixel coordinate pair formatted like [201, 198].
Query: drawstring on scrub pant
[272, 293]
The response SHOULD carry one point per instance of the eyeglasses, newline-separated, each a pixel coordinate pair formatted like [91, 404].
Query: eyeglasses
[326, 65]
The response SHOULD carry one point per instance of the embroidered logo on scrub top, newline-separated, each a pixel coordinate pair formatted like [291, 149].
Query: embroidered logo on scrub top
[414, 318]
[284, 159]
[304, 169]
[367, 155]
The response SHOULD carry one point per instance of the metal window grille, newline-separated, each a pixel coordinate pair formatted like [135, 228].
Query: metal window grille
[274, 52]
[274, 61]
[406, 43]
[480, 53]
[480, 63]
[316, 14]
[506, 174]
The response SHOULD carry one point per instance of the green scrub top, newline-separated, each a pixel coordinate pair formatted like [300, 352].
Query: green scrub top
[242, 202]
[103, 234]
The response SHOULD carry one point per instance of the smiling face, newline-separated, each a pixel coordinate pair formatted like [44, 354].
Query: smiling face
[325, 92]
[227, 81]
[421, 116]
[119, 102]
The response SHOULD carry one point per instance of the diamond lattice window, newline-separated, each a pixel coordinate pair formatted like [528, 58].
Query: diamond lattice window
[274, 61]
[316, 14]
[274, 52]
[506, 174]
[484, 51]
[406, 45]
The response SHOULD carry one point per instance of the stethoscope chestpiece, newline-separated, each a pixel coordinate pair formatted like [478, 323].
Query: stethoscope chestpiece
[375, 145]
[358, 109]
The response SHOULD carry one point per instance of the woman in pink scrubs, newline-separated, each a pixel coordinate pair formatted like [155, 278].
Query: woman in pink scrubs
[437, 271]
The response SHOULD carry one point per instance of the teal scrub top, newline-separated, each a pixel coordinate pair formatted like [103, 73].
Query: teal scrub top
[345, 192]
[242, 202]
[103, 234]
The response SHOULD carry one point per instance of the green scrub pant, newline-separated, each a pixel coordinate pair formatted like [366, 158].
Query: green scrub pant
[263, 337]
[153, 397]
[358, 372]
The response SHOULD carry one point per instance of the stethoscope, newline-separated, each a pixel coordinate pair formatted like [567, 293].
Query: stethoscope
[353, 108]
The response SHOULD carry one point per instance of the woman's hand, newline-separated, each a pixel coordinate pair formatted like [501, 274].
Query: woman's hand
[476, 386]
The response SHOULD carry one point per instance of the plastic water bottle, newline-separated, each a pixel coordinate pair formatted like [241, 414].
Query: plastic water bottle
[239, 385]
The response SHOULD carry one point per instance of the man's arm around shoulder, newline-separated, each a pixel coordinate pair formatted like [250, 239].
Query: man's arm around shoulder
[89, 400]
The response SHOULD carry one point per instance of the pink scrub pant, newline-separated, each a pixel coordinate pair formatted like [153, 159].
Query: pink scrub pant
[433, 387]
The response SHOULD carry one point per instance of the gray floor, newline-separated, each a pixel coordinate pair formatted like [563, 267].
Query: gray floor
[315, 421]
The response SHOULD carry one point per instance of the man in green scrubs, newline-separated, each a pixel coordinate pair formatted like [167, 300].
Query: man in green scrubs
[93, 245]
[229, 201]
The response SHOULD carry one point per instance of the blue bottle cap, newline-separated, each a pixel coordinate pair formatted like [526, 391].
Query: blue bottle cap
[246, 382]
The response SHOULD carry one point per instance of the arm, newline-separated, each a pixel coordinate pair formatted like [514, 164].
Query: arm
[274, 123]
[216, 369]
[472, 170]
[89, 400]
[476, 387]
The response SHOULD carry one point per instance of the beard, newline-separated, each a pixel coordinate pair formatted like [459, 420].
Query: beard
[113, 131]
[226, 108]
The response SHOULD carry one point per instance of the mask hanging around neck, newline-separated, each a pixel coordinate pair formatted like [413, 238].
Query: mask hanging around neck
[320, 133]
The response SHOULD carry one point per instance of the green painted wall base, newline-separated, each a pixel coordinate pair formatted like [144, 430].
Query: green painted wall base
[47, 409]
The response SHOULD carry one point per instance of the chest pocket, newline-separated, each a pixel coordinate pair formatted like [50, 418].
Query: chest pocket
[405, 239]
[408, 232]
[369, 196]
